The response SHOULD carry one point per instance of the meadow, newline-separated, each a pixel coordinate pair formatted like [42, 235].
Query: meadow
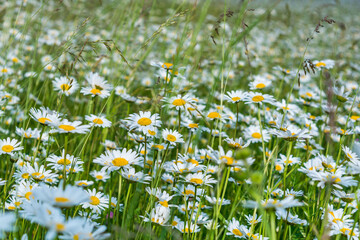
[191, 119]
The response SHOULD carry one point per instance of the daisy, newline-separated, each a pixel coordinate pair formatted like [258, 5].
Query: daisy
[222, 157]
[255, 97]
[344, 229]
[291, 161]
[185, 228]
[237, 143]
[285, 203]
[162, 197]
[159, 215]
[235, 96]
[39, 172]
[9, 146]
[101, 175]
[253, 134]
[159, 64]
[13, 203]
[180, 168]
[199, 179]
[213, 114]
[172, 136]
[235, 229]
[116, 159]
[288, 217]
[335, 178]
[109, 145]
[119, 90]
[259, 83]
[290, 108]
[98, 121]
[167, 178]
[5, 70]
[341, 95]
[84, 183]
[350, 155]
[59, 197]
[217, 201]
[98, 86]
[28, 133]
[326, 63]
[44, 115]
[65, 85]
[179, 102]
[144, 121]
[346, 197]
[253, 219]
[292, 192]
[130, 174]
[188, 190]
[65, 126]
[98, 201]
[81, 228]
[59, 162]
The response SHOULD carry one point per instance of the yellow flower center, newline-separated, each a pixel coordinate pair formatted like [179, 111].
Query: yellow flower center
[144, 121]
[25, 175]
[152, 133]
[196, 180]
[99, 176]
[354, 117]
[344, 230]
[235, 99]
[160, 147]
[258, 98]
[60, 227]
[64, 162]
[237, 232]
[27, 195]
[65, 87]
[38, 175]
[98, 121]
[256, 135]
[119, 162]
[171, 138]
[260, 85]
[189, 192]
[164, 203]
[320, 64]
[193, 125]
[167, 65]
[7, 148]
[214, 115]
[95, 91]
[43, 120]
[67, 128]
[27, 136]
[309, 94]
[193, 161]
[61, 199]
[229, 160]
[179, 102]
[94, 200]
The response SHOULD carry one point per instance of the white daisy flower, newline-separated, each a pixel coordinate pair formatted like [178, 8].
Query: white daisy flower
[98, 121]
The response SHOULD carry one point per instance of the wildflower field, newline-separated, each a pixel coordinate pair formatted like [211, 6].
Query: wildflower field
[149, 119]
